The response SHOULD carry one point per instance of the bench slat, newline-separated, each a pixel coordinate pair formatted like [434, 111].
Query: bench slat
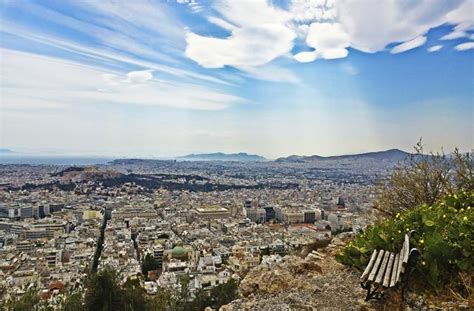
[388, 271]
[376, 265]
[407, 249]
[393, 279]
[369, 266]
[382, 269]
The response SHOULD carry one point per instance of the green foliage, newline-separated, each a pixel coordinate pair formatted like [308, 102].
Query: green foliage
[215, 298]
[445, 238]
[149, 264]
[103, 292]
[165, 300]
[25, 302]
[73, 302]
[426, 179]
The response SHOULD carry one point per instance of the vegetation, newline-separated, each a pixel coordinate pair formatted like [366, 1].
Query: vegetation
[426, 179]
[149, 264]
[445, 238]
[24, 302]
[103, 292]
[433, 195]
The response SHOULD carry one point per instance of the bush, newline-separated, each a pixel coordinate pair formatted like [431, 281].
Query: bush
[445, 238]
[426, 179]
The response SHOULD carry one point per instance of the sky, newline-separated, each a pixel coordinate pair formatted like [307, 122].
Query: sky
[275, 78]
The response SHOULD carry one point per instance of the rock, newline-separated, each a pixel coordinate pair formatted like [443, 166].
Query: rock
[226, 308]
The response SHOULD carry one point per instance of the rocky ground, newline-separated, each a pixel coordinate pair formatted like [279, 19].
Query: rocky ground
[314, 282]
[318, 282]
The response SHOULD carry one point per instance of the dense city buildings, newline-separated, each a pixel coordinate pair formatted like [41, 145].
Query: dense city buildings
[158, 221]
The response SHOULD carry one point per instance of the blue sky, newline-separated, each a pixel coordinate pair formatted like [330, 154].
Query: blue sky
[164, 78]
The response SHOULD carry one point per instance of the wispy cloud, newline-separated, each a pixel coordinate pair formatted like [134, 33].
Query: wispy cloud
[465, 46]
[408, 45]
[44, 81]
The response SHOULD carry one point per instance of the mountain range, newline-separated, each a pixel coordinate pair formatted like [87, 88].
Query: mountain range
[390, 155]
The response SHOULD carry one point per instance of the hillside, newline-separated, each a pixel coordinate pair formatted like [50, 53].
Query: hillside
[388, 155]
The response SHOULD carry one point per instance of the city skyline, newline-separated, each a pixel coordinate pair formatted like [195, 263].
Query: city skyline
[168, 78]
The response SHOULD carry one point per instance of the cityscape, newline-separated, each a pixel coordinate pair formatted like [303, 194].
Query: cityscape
[227, 155]
[207, 220]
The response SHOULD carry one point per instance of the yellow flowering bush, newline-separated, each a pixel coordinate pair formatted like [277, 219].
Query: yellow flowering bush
[445, 239]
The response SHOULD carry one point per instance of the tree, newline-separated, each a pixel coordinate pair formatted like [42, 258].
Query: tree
[103, 291]
[26, 302]
[149, 264]
[73, 302]
[425, 178]
[164, 300]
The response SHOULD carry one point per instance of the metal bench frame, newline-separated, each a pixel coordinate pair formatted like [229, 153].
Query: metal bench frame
[378, 290]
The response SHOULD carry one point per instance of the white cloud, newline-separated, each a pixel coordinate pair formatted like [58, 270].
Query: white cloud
[248, 46]
[306, 57]
[434, 48]
[141, 76]
[408, 45]
[312, 10]
[251, 13]
[370, 25]
[259, 34]
[454, 35]
[465, 46]
[329, 39]
[373, 24]
[103, 55]
[460, 30]
[38, 80]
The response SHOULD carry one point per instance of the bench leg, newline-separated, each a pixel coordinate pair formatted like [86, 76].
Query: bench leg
[371, 294]
[413, 258]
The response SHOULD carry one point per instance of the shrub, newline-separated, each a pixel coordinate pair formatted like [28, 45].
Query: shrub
[426, 179]
[445, 238]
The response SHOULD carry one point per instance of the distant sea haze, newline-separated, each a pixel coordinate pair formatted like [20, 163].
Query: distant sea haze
[52, 160]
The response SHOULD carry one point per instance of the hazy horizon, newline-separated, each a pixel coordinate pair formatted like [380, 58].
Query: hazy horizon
[169, 78]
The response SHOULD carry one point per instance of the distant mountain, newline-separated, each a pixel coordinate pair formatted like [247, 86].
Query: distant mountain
[219, 156]
[390, 155]
[6, 151]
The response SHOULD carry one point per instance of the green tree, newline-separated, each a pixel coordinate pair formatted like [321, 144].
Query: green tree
[149, 264]
[103, 291]
[25, 302]
[164, 300]
[73, 302]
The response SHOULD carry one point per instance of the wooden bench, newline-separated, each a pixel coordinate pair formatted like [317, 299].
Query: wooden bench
[386, 269]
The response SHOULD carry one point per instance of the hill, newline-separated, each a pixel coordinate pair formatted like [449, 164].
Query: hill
[390, 155]
[219, 156]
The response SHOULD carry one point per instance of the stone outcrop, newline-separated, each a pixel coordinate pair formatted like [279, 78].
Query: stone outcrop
[316, 281]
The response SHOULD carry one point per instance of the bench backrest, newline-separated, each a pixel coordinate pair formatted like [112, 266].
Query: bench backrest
[385, 267]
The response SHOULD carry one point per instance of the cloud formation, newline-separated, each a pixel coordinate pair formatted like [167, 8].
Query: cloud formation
[329, 29]
[464, 46]
[259, 34]
[408, 45]
[47, 82]
[434, 48]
